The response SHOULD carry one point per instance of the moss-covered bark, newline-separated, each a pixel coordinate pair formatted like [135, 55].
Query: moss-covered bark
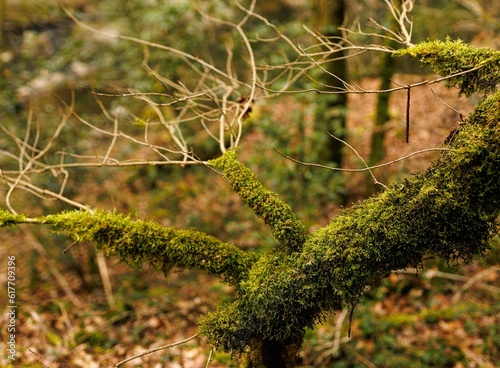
[136, 242]
[284, 223]
[8, 219]
[459, 59]
[448, 212]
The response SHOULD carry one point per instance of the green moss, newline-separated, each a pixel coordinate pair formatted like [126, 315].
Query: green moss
[285, 226]
[8, 219]
[449, 212]
[452, 57]
[135, 242]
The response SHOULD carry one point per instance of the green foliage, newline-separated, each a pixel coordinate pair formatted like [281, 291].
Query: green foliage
[454, 57]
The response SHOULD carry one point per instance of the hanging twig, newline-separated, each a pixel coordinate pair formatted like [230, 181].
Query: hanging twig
[407, 114]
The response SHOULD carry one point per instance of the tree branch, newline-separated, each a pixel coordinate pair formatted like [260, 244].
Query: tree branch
[136, 241]
[285, 225]
[447, 212]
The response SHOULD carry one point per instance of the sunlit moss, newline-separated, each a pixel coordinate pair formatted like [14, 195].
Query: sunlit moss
[8, 218]
[455, 57]
[449, 211]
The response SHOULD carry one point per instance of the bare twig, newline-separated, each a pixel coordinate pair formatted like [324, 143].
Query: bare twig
[366, 168]
[402, 34]
[106, 280]
[357, 90]
[472, 281]
[70, 330]
[451, 276]
[363, 360]
[210, 357]
[173, 50]
[156, 349]
[448, 106]
[53, 268]
[338, 330]
[38, 360]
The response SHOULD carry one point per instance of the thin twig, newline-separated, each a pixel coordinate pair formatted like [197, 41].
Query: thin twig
[365, 168]
[408, 114]
[472, 281]
[38, 360]
[156, 349]
[371, 91]
[175, 51]
[448, 105]
[210, 357]
[450, 276]
[338, 330]
[106, 280]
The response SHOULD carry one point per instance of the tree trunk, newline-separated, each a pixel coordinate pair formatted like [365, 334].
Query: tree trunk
[377, 149]
[272, 354]
[330, 114]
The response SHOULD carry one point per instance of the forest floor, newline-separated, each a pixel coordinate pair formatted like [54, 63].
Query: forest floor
[441, 318]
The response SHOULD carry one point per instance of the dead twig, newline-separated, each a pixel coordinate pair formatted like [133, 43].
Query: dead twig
[452, 276]
[156, 349]
[472, 281]
[366, 168]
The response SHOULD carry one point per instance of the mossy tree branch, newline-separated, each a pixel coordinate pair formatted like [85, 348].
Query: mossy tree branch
[285, 226]
[9, 219]
[452, 57]
[136, 242]
[450, 212]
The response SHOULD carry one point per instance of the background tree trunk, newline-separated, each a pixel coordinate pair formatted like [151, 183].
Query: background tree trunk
[2, 20]
[331, 109]
[382, 115]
